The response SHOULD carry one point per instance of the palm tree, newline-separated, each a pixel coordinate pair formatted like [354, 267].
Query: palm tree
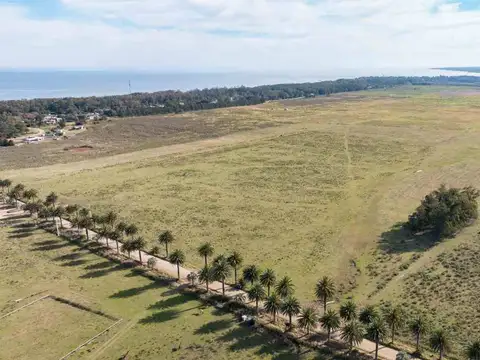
[268, 279]
[394, 316]
[377, 330]
[419, 327]
[51, 199]
[110, 219]
[235, 260]
[290, 307]
[330, 321]
[473, 351]
[324, 291]
[33, 207]
[121, 227]
[5, 184]
[84, 212]
[103, 232]
[166, 238]
[367, 315]
[439, 341]
[155, 250]
[251, 273]
[352, 333]
[17, 192]
[96, 219]
[115, 236]
[308, 319]
[206, 276]
[86, 223]
[177, 257]
[71, 209]
[128, 246]
[256, 293]
[131, 230]
[30, 195]
[60, 212]
[139, 243]
[272, 305]
[205, 251]
[285, 287]
[222, 271]
[348, 311]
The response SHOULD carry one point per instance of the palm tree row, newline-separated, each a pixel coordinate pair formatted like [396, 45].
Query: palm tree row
[262, 287]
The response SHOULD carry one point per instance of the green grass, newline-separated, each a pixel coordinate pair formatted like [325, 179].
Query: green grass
[158, 322]
[319, 193]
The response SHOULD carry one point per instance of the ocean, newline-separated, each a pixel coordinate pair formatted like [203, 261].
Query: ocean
[49, 84]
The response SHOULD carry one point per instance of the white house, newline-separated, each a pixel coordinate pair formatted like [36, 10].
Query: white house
[51, 119]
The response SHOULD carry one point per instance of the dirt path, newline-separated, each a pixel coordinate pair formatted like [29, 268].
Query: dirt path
[165, 267]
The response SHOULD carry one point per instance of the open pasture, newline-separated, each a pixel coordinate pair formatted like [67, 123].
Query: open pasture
[310, 187]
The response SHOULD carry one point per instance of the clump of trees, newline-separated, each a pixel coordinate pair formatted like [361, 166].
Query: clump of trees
[268, 292]
[10, 127]
[445, 211]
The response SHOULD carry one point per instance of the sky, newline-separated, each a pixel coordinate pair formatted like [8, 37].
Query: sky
[238, 35]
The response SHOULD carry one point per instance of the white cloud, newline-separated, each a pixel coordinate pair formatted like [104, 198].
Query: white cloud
[242, 35]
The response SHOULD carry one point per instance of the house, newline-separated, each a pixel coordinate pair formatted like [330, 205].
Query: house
[51, 119]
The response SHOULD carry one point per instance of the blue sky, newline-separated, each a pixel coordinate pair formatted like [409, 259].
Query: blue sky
[238, 34]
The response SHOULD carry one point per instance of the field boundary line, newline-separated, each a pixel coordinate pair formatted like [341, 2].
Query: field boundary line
[24, 306]
[89, 340]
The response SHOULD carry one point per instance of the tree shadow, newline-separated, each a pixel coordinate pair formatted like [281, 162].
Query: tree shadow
[70, 256]
[400, 240]
[171, 302]
[77, 262]
[106, 271]
[214, 326]
[100, 265]
[161, 316]
[136, 291]
[57, 246]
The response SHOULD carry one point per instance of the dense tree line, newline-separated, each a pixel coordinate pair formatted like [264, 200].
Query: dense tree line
[270, 294]
[445, 211]
[164, 102]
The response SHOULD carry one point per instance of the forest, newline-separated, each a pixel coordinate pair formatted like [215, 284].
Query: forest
[164, 102]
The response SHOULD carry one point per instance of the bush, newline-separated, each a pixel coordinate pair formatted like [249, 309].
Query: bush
[5, 142]
[151, 262]
[445, 211]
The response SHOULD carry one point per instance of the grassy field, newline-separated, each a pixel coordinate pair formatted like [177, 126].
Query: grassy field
[157, 321]
[309, 187]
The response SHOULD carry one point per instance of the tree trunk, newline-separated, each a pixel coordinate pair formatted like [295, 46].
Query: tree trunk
[178, 271]
[393, 332]
[418, 342]
[223, 287]
[206, 262]
[86, 232]
[61, 223]
[329, 331]
[324, 304]
[206, 283]
[274, 316]
[118, 249]
[166, 249]
[441, 353]
[290, 320]
[376, 348]
[140, 255]
[106, 240]
[235, 272]
[256, 306]
[268, 290]
[128, 254]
